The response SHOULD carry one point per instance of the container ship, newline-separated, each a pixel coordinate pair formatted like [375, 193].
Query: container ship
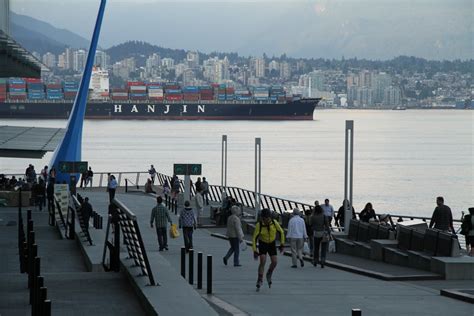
[30, 98]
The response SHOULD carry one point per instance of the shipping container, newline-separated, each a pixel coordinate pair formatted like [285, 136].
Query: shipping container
[135, 83]
[16, 81]
[135, 88]
[17, 86]
[174, 97]
[119, 97]
[155, 98]
[119, 90]
[17, 90]
[191, 97]
[173, 91]
[32, 80]
[120, 94]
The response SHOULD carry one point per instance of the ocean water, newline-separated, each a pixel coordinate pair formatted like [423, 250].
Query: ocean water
[402, 159]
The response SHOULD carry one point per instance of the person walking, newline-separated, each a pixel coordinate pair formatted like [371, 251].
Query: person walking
[198, 184]
[442, 218]
[44, 174]
[52, 175]
[83, 179]
[320, 226]
[111, 188]
[160, 217]
[328, 210]
[467, 229]
[90, 176]
[205, 190]
[187, 221]
[152, 173]
[297, 235]
[368, 213]
[199, 202]
[175, 187]
[87, 210]
[235, 235]
[166, 189]
[264, 236]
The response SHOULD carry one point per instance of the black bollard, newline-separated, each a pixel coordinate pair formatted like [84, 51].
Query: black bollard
[100, 222]
[191, 266]
[209, 274]
[42, 296]
[199, 271]
[46, 310]
[356, 312]
[183, 262]
[36, 273]
[28, 215]
[39, 283]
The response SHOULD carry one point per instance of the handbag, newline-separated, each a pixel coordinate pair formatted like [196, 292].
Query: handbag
[174, 232]
[306, 249]
[327, 237]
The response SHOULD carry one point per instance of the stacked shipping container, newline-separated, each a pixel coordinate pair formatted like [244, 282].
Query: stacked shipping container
[3, 89]
[155, 92]
[70, 89]
[16, 89]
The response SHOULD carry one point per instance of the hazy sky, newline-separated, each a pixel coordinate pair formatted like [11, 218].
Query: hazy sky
[435, 29]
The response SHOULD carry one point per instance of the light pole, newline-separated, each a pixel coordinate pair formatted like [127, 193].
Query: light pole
[348, 174]
[258, 174]
[224, 164]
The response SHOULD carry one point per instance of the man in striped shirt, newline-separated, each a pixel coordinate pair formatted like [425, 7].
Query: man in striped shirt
[161, 217]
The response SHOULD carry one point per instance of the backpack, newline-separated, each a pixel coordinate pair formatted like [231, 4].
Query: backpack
[261, 224]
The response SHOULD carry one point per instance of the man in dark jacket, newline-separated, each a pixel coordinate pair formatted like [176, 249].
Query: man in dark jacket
[442, 218]
[86, 211]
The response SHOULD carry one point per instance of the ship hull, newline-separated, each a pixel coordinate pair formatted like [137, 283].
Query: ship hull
[295, 110]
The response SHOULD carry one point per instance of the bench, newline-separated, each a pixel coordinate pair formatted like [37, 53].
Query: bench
[399, 255]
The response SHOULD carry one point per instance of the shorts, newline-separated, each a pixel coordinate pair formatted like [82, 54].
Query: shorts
[470, 240]
[264, 248]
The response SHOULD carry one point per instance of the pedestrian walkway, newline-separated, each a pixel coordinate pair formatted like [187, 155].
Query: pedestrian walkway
[72, 290]
[301, 291]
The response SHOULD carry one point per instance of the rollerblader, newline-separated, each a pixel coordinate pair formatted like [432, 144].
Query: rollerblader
[265, 233]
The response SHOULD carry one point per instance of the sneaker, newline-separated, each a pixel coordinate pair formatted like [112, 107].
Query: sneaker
[166, 248]
[294, 266]
[225, 260]
[301, 262]
[269, 279]
[237, 265]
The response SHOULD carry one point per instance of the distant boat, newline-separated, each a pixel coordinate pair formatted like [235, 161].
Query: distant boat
[399, 108]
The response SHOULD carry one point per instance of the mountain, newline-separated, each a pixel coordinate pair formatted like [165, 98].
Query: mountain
[36, 35]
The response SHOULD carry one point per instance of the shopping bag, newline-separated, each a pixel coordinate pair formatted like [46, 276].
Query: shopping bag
[174, 232]
[332, 246]
[306, 249]
[243, 245]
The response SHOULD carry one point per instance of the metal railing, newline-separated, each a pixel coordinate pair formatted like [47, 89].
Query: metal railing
[125, 221]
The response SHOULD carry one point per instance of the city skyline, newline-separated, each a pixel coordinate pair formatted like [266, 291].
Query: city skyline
[439, 30]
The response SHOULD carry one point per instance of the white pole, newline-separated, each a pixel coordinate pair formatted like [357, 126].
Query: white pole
[258, 175]
[348, 175]
[187, 188]
[223, 163]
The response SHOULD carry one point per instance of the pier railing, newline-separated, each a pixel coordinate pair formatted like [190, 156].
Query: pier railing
[243, 196]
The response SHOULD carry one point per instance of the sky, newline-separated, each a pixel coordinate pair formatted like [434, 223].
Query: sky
[374, 29]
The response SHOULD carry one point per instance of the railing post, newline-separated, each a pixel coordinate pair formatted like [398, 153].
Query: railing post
[126, 185]
[348, 174]
[138, 179]
[224, 163]
[209, 274]
[119, 179]
[183, 262]
[191, 266]
[356, 312]
[100, 180]
[199, 271]
[72, 225]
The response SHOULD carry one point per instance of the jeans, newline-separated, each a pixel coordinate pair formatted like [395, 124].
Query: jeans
[296, 249]
[188, 237]
[162, 237]
[234, 249]
[111, 194]
[324, 249]
[206, 198]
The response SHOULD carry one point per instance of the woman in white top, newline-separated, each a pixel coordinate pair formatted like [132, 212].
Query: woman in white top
[297, 234]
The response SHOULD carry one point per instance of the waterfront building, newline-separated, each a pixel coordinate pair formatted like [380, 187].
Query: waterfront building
[381, 81]
[392, 96]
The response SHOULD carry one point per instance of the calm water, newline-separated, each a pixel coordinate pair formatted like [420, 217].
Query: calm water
[403, 159]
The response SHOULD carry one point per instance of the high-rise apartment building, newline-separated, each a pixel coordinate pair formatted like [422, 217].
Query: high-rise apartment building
[79, 60]
[285, 70]
[49, 60]
[258, 67]
[101, 60]
[68, 58]
[167, 62]
[381, 81]
[392, 96]
[192, 59]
